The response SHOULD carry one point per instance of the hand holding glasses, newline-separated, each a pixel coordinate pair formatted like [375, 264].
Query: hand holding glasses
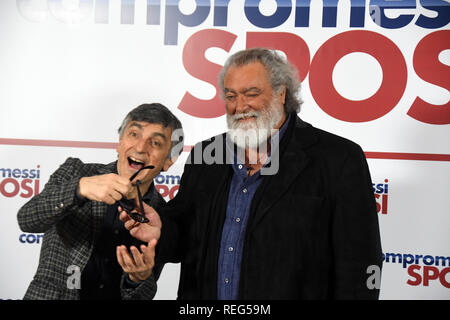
[128, 204]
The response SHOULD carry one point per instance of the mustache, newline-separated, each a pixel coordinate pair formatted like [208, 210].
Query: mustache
[250, 114]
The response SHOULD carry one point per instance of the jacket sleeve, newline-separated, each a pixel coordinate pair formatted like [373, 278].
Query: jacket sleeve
[175, 219]
[356, 237]
[57, 199]
[145, 290]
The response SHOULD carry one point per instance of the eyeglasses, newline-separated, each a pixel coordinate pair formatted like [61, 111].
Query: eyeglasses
[128, 204]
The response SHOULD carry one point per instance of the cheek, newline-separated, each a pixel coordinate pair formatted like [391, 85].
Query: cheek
[157, 158]
[230, 108]
[260, 103]
[121, 151]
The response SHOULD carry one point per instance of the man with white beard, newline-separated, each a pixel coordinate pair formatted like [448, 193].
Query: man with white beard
[253, 133]
[308, 230]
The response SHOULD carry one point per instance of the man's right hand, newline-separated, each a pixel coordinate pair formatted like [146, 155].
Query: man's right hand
[107, 188]
[145, 232]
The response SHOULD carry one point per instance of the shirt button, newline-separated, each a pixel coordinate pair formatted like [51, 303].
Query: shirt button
[240, 166]
[244, 190]
[238, 220]
[230, 249]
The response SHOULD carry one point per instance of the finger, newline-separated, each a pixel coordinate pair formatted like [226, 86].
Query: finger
[123, 181]
[127, 260]
[116, 195]
[149, 252]
[120, 259]
[123, 216]
[124, 190]
[131, 193]
[152, 216]
[137, 256]
[109, 199]
[126, 218]
[124, 186]
[130, 224]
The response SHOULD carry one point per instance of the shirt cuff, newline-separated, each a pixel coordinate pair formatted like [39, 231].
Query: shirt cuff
[129, 284]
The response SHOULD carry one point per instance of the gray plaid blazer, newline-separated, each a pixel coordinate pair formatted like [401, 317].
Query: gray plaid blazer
[69, 231]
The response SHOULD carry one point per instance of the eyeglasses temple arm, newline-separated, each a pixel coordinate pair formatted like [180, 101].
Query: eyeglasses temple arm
[137, 172]
[138, 183]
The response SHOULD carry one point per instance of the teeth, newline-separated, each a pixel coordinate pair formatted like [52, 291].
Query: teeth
[137, 160]
[245, 116]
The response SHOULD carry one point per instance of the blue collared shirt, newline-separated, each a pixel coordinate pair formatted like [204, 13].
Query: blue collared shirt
[242, 190]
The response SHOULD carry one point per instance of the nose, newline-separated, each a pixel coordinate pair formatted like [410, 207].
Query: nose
[141, 146]
[241, 104]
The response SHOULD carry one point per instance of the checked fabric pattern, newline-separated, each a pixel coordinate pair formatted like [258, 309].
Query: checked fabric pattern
[69, 228]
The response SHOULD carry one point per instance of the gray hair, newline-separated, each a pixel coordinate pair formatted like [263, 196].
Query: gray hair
[158, 114]
[281, 73]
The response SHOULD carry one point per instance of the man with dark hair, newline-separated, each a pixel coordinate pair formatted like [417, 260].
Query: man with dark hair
[307, 230]
[84, 253]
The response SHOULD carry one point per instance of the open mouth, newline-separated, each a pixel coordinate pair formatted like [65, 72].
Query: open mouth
[135, 164]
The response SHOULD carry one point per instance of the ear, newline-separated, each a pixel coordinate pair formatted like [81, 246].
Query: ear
[117, 150]
[283, 95]
[168, 163]
[118, 145]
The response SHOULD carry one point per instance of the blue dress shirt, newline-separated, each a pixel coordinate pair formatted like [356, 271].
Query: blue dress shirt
[242, 190]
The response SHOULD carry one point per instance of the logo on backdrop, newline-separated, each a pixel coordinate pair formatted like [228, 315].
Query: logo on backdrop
[17, 182]
[422, 269]
[380, 191]
[167, 185]
[31, 238]
[320, 68]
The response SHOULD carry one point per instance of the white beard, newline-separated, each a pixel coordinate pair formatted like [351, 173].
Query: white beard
[254, 133]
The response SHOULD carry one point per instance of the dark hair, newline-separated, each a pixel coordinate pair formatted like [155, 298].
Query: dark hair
[158, 114]
[280, 71]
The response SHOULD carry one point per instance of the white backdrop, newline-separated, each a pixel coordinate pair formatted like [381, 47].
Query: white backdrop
[71, 70]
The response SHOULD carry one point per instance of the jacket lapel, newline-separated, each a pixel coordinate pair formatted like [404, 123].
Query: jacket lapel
[292, 161]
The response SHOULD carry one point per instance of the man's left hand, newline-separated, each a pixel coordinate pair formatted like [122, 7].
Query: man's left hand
[138, 265]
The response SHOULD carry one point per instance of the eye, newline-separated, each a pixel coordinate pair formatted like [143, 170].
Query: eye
[132, 134]
[252, 94]
[156, 143]
[230, 97]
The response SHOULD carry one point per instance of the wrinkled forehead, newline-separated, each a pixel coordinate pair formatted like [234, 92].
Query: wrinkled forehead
[150, 128]
[249, 75]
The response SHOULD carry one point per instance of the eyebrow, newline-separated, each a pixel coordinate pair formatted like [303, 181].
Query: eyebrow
[159, 134]
[226, 90]
[245, 90]
[135, 124]
[251, 89]
[154, 134]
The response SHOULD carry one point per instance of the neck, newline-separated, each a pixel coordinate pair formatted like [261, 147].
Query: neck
[144, 186]
[281, 122]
